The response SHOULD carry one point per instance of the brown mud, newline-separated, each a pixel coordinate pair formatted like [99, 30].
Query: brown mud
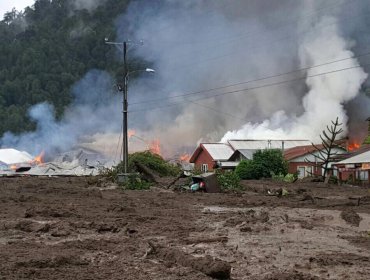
[73, 228]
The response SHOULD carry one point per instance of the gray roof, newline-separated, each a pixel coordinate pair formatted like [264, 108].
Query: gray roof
[361, 158]
[264, 144]
[247, 153]
[219, 151]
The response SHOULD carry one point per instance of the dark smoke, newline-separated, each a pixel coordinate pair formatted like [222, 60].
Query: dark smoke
[196, 45]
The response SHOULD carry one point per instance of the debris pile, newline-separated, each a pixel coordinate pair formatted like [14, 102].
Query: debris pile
[80, 162]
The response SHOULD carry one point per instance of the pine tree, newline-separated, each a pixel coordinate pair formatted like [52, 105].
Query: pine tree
[326, 154]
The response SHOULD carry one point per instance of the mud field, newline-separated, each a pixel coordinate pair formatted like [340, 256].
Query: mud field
[75, 228]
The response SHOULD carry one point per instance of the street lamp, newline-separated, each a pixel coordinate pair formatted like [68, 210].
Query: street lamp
[124, 89]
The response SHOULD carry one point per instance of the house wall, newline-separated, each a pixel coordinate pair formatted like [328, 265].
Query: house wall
[353, 173]
[293, 167]
[311, 158]
[204, 158]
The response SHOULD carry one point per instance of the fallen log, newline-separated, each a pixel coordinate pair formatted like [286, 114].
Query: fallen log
[174, 181]
[147, 173]
[214, 268]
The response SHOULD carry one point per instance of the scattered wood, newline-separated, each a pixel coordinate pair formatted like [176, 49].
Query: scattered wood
[198, 240]
[214, 268]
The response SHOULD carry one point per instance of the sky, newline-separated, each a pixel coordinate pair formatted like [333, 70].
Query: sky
[8, 5]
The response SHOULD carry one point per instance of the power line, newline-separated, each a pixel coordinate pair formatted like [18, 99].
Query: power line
[249, 81]
[285, 38]
[254, 88]
[218, 111]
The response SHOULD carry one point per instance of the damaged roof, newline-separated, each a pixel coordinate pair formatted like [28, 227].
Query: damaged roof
[13, 156]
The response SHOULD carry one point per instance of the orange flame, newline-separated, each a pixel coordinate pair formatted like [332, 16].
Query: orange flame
[38, 159]
[353, 146]
[131, 133]
[155, 147]
[13, 167]
[185, 157]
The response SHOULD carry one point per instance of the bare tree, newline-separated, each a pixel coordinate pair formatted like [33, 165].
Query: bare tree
[324, 154]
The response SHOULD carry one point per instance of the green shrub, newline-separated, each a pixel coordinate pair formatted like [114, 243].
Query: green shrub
[152, 161]
[248, 169]
[333, 180]
[288, 178]
[263, 165]
[228, 180]
[135, 181]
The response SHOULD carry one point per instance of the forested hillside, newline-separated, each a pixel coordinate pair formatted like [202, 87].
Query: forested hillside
[46, 49]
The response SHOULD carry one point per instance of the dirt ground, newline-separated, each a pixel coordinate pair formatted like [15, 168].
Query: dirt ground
[75, 228]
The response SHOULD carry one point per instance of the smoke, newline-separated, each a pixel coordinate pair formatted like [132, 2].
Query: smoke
[89, 5]
[227, 46]
[95, 109]
[327, 94]
[201, 45]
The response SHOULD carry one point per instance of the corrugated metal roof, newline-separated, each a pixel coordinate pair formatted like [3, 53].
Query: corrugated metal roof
[248, 153]
[12, 156]
[264, 144]
[361, 158]
[219, 151]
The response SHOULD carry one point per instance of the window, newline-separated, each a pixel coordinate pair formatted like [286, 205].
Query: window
[309, 171]
[204, 167]
[364, 175]
[301, 171]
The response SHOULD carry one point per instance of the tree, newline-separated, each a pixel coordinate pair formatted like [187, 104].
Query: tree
[264, 164]
[325, 154]
[41, 60]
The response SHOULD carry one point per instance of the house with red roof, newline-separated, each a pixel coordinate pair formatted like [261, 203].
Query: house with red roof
[304, 160]
[354, 165]
[209, 156]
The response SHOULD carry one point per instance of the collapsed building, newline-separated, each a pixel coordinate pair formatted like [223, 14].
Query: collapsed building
[79, 162]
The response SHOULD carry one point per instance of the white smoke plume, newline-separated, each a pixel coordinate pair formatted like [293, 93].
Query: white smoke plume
[201, 45]
[92, 111]
[326, 96]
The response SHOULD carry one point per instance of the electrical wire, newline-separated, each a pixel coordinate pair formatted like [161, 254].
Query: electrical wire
[285, 38]
[254, 88]
[217, 111]
[249, 81]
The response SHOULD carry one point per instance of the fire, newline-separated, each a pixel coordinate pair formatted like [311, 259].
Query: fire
[185, 157]
[13, 167]
[353, 146]
[131, 133]
[155, 147]
[38, 159]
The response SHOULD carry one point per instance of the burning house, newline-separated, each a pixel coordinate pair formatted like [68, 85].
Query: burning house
[355, 168]
[355, 165]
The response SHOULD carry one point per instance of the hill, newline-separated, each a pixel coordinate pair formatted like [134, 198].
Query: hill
[46, 49]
